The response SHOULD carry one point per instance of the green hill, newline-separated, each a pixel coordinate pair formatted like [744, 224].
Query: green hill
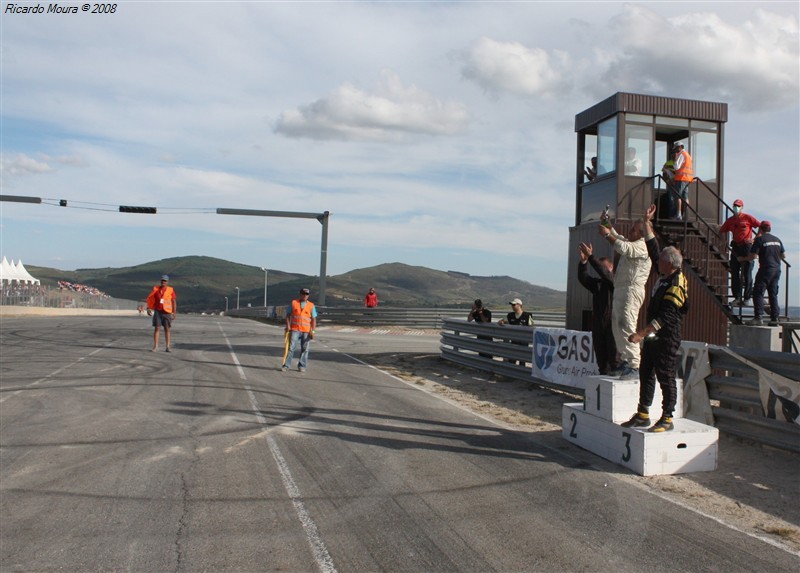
[202, 283]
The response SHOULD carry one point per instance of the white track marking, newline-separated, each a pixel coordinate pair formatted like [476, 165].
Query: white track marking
[629, 479]
[318, 549]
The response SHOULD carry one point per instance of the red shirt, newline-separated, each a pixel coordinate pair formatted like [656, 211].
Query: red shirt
[742, 226]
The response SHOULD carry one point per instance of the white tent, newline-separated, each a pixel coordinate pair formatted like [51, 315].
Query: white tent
[10, 272]
[24, 275]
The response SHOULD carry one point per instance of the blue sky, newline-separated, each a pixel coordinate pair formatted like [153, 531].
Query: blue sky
[437, 134]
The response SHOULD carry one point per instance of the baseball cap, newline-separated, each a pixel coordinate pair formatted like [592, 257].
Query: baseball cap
[677, 144]
[738, 203]
[305, 291]
[515, 301]
[164, 277]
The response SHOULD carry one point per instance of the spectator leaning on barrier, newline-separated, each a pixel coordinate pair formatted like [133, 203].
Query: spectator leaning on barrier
[480, 314]
[517, 317]
[162, 304]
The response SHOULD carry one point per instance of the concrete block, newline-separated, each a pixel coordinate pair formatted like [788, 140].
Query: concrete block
[756, 337]
[690, 447]
[616, 400]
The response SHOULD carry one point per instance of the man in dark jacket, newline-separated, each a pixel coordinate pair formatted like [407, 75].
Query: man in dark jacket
[480, 314]
[662, 340]
[770, 252]
[602, 289]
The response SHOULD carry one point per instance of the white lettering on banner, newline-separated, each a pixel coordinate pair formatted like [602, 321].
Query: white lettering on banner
[565, 357]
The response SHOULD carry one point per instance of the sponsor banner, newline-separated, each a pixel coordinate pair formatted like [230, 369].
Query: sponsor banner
[564, 357]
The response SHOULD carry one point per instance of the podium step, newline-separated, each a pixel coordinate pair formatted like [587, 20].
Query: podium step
[616, 400]
[689, 447]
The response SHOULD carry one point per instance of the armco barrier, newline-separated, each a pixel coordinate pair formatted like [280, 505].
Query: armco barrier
[428, 318]
[431, 318]
[733, 386]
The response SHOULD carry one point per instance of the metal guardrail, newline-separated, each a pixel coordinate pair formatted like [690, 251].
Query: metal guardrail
[733, 386]
[476, 345]
[427, 318]
[432, 318]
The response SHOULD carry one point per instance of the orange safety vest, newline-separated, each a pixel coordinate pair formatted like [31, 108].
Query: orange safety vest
[301, 317]
[161, 301]
[685, 173]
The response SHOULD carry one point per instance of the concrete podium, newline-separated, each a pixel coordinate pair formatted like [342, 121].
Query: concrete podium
[594, 426]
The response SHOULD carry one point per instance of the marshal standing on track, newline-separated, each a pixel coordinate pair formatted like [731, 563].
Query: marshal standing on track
[301, 320]
[162, 304]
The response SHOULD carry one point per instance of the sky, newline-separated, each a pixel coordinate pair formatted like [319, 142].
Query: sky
[438, 134]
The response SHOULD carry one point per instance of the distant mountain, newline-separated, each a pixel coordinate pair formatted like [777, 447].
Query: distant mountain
[202, 283]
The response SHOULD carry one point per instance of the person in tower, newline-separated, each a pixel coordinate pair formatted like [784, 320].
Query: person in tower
[684, 174]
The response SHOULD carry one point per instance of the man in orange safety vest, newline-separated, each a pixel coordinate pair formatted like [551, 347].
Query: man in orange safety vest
[162, 305]
[684, 175]
[301, 320]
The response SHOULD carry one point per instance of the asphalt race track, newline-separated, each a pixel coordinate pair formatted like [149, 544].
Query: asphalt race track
[114, 458]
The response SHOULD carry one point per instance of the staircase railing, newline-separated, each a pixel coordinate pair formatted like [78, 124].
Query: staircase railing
[712, 267]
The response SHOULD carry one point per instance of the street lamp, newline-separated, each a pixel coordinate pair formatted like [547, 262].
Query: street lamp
[265, 285]
[226, 304]
[237, 297]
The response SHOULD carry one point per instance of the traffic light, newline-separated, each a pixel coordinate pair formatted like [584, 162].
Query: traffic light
[123, 209]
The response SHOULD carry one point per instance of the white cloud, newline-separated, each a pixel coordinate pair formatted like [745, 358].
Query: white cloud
[512, 67]
[751, 64]
[21, 164]
[389, 113]
[371, 119]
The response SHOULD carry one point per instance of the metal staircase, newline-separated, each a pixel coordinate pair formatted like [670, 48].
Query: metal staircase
[706, 252]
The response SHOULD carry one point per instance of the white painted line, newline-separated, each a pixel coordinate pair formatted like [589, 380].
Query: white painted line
[233, 354]
[634, 480]
[318, 549]
[321, 555]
